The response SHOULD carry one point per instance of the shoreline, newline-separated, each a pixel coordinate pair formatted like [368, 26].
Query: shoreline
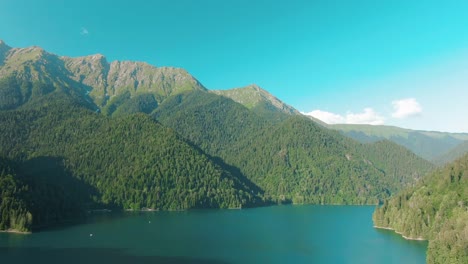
[14, 231]
[401, 234]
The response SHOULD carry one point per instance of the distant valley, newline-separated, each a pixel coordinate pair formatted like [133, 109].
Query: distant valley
[437, 147]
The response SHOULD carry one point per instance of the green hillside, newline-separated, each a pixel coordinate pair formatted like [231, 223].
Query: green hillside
[453, 153]
[130, 163]
[436, 210]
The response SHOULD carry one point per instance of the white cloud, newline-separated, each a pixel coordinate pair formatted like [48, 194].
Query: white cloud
[84, 31]
[405, 108]
[368, 116]
[327, 117]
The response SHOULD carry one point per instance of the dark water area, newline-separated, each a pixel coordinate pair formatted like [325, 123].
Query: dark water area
[277, 234]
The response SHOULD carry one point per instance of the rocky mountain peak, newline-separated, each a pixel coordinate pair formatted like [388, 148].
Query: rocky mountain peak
[107, 80]
[89, 70]
[255, 89]
[21, 55]
[253, 95]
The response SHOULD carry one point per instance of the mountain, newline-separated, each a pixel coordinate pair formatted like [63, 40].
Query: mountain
[435, 210]
[133, 136]
[108, 83]
[429, 145]
[295, 160]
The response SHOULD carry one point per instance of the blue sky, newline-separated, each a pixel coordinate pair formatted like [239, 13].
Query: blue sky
[394, 62]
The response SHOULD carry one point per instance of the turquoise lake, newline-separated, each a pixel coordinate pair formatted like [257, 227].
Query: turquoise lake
[276, 234]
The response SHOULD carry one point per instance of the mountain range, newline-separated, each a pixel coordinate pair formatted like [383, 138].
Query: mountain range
[124, 87]
[128, 135]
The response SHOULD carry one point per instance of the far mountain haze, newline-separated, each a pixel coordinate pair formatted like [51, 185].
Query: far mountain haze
[430, 145]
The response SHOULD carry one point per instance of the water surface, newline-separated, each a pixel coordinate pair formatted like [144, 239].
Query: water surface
[277, 234]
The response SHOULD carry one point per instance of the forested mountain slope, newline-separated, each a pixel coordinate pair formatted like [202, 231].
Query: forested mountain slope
[437, 210]
[294, 160]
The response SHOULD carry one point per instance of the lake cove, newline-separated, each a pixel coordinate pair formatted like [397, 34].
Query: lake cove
[276, 234]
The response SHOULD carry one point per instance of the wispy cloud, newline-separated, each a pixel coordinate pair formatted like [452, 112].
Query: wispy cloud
[405, 108]
[84, 31]
[368, 116]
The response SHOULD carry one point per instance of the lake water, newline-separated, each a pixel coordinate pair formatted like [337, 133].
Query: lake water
[277, 234]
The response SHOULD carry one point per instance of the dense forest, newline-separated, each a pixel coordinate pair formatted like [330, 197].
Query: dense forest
[437, 210]
[130, 162]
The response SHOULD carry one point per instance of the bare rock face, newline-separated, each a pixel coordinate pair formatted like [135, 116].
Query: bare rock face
[141, 76]
[90, 70]
[106, 80]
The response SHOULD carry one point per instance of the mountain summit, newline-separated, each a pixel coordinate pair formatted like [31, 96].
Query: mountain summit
[254, 97]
